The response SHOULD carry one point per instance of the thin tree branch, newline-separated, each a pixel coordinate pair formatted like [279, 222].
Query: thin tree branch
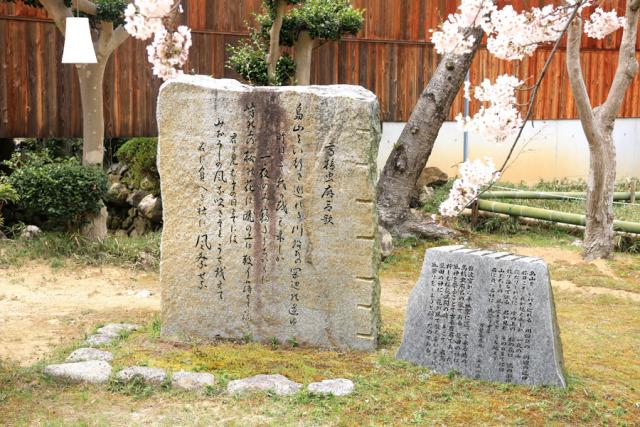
[84, 6]
[627, 65]
[119, 36]
[536, 87]
[58, 11]
[576, 79]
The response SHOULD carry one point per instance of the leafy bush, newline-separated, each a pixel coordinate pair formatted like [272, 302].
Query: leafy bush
[58, 192]
[140, 155]
[7, 194]
[248, 59]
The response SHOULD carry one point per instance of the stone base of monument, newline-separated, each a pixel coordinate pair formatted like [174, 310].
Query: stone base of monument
[487, 315]
[270, 227]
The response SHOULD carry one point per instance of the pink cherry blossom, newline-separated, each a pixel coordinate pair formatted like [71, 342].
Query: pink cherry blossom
[474, 175]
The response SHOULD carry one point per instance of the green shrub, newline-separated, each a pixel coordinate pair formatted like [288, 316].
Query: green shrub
[59, 192]
[8, 194]
[140, 155]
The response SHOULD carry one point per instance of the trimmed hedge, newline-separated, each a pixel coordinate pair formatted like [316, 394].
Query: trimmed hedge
[59, 192]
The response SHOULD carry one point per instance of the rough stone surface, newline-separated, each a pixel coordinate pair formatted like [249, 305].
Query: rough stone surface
[117, 194]
[431, 176]
[270, 226]
[92, 371]
[151, 208]
[114, 329]
[139, 227]
[30, 232]
[336, 387]
[488, 315]
[277, 384]
[386, 242]
[192, 380]
[148, 375]
[88, 353]
[96, 340]
[136, 197]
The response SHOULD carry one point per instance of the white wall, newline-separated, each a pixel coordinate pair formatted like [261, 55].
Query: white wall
[548, 149]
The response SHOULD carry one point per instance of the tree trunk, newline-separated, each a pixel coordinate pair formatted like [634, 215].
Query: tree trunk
[598, 236]
[598, 126]
[411, 152]
[90, 77]
[274, 39]
[304, 52]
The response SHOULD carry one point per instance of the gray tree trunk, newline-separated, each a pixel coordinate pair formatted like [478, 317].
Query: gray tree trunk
[597, 124]
[304, 52]
[90, 78]
[411, 152]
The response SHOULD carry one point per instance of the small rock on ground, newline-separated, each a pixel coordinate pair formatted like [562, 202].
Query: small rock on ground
[278, 384]
[148, 375]
[30, 232]
[192, 380]
[114, 329]
[336, 387]
[92, 371]
[98, 340]
[88, 353]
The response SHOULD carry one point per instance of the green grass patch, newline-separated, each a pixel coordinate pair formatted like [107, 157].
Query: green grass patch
[62, 248]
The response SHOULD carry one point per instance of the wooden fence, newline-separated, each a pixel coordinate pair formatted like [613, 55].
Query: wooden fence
[392, 56]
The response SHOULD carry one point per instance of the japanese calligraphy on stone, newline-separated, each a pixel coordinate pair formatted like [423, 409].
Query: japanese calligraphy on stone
[270, 226]
[487, 315]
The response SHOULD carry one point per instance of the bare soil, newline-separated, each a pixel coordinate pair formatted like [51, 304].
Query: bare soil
[42, 307]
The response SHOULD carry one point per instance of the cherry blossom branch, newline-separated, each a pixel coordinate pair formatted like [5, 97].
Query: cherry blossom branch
[536, 87]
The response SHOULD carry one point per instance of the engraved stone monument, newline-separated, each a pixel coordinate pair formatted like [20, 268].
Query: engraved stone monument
[488, 315]
[269, 212]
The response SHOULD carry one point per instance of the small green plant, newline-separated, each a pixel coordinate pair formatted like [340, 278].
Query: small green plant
[247, 337]
[136, 387]
[8, 194]
[140, 155]
[273, 342]
[248, 59]
[293, 342]
[60, 192]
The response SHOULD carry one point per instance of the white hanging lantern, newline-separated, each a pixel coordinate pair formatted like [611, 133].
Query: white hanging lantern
[78, 46]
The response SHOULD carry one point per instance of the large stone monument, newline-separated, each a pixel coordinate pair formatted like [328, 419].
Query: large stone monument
[488, 315]
[270, 228]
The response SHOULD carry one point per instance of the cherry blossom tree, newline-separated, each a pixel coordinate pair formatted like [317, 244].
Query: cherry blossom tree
[112, 22]
[513, 35]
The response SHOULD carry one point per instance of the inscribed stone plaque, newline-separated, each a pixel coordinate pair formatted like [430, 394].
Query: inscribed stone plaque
[269, 214]
[488, 315]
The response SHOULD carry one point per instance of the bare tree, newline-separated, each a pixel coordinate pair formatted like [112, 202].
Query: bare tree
[597, 124]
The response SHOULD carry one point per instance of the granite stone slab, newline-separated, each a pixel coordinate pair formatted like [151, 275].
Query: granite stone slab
[270, 226]
[487, 315]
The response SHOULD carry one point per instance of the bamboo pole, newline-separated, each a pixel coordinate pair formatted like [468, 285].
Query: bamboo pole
[561, 195]
[550, 215]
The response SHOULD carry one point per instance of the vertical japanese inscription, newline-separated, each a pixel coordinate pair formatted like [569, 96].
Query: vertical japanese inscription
[267, 210]
[297, 229]
[202, 245]
[486, 315]
[248, 164]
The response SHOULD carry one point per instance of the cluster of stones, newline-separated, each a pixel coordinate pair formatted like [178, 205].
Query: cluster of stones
[282, 386]
[92, 365]
[132, 212]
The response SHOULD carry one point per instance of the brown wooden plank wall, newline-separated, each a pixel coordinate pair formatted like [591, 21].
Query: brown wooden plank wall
[392, 56]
